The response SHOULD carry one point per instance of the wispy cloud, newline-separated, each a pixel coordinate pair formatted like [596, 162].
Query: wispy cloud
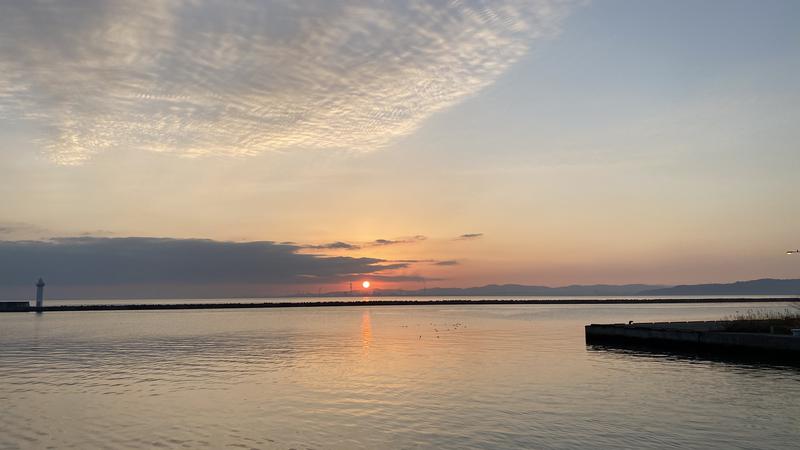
[338, 245]
[238, 78]
[385, 242]
[20, 230]
[469, 236]
[341, 245]
[447, 262]
[15, 227]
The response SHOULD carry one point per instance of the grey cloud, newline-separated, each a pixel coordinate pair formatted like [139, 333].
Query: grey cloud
[384, 242]
[96, 233]
[341, 245]
[88, 261]
[448, 262]
[338, 245]
[470, 236]
[238, 78]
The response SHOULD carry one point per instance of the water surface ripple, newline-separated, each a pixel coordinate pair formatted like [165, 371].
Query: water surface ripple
[516, 376]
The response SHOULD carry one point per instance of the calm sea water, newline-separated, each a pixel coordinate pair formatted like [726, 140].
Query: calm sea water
[377, 377]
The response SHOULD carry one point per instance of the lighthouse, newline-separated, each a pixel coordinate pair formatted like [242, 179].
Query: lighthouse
[39, 293]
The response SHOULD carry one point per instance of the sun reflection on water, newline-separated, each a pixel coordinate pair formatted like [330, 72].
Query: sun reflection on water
[366, 331]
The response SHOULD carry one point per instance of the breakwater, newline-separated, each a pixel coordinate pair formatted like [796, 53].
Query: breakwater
[14, 306]
[395, 302]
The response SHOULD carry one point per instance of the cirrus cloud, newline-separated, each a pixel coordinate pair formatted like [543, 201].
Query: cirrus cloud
[213, 77]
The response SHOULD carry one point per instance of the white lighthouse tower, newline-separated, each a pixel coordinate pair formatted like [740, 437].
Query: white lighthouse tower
[39, 293]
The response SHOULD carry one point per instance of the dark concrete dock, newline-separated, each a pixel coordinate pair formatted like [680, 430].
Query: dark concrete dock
[693, 336]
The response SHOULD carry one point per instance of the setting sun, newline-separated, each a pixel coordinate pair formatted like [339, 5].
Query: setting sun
[365, 285]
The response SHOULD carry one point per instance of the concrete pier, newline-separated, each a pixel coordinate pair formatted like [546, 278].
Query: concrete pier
[693, 336]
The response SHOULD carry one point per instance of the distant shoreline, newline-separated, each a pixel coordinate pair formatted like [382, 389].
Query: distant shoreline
[610, 301]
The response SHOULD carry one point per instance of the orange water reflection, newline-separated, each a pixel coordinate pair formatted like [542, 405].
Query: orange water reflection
[366, 331]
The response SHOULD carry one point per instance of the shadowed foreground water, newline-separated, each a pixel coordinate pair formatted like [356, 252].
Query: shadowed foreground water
[368, 377]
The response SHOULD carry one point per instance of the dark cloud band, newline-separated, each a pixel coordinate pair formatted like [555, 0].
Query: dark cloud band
[138, 260]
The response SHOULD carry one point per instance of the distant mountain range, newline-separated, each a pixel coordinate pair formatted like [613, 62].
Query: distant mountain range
[766, 286]
[521, 289]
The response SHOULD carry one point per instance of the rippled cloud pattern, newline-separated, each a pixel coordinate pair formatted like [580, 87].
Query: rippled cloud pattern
[208, 77]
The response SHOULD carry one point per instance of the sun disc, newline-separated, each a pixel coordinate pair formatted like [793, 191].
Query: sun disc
[365, 284]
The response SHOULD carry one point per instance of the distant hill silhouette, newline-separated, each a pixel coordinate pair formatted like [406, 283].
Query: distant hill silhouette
[764, 286]
[520, 289]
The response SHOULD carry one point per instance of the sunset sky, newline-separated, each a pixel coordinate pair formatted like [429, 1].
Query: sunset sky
[260, 147]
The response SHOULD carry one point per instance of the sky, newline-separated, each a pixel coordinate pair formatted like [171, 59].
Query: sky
[266, 147]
